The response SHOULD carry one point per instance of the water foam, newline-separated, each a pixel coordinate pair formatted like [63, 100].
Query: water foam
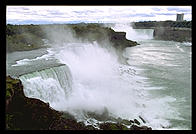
[93, 80]
[100, 81]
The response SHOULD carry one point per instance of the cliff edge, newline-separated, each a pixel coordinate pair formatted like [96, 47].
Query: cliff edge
[23, 113]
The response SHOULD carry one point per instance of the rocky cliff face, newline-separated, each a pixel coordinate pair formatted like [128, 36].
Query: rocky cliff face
[24, 113]
[95, 32]
[106, 37]
[119, 40]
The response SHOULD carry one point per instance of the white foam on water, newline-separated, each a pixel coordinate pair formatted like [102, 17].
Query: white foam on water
[47, 90]
[178, 47]
[134, 34]
[100, 81]
[187, 43]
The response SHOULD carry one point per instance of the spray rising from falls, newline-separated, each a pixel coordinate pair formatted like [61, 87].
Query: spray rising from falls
[93, 80]
[96, 81]
[99, 81]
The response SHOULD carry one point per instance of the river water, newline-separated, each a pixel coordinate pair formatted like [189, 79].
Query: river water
[76, 77]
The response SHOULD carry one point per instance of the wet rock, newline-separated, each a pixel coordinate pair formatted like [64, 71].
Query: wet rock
[67, 115]
[103, 116]
[26, 113]
[142, 119]
[69, 124]
[112, 126]
[135, 127]
[132, 121]
[123, 121]
[90, 127]
[126, 122]
[32, 114]
[136, 121]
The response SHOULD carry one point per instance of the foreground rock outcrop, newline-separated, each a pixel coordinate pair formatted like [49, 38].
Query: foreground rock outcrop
[24, 113]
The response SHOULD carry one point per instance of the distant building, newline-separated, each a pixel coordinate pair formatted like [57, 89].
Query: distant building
[180, 17]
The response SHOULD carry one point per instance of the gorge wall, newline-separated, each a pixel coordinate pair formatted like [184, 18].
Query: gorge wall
[180, 31]
[173, 34]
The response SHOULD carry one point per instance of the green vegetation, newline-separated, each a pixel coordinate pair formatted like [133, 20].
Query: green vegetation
[29, 37]
[23, 37]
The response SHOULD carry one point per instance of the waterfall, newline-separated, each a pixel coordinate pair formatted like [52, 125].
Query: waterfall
[51, 85]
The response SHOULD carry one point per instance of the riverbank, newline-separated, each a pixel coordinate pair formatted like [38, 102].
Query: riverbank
[30, 37]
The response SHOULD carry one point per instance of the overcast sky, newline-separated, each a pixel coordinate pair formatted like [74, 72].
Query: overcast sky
[76, 14]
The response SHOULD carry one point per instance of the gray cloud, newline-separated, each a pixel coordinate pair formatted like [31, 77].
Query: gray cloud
[156, 9]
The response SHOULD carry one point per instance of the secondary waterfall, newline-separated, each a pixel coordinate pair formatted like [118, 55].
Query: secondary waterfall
[134, 34]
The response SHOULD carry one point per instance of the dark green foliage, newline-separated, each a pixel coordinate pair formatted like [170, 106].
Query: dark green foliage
[112, 126]
[91, 32]
[69, 124]
[135, 127]
[28, 37]
[23, 37]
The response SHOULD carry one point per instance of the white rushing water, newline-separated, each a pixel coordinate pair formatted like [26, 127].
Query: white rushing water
[50, 85]
[134, 34]
[92, 79]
